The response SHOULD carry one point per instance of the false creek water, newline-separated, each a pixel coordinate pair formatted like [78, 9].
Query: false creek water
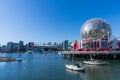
[51, 66]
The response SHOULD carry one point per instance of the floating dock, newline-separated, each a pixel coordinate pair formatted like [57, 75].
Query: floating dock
[7, 59]
[107, 55]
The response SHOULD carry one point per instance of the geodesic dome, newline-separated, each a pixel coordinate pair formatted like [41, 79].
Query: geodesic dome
[96, 29]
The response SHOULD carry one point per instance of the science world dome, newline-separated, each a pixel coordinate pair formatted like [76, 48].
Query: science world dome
[96, 29]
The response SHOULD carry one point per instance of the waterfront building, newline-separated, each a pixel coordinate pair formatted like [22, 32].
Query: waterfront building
[96, 40]
[55, 44]
[49, 43]
[115, 44]
[15, 47]
[65, 45]
[21, 45]
[96, 36]
[31, 44]
[60, 46]
[71, 47]
[76, 45]
[4, 48]
[43, 44]
[10, 47]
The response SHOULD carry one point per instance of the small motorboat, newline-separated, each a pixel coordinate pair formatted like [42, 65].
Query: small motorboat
[29, 52]
[75, 67]
[18, 59]
[95, 62]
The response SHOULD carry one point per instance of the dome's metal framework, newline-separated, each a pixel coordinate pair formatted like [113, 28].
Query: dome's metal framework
[96, 29]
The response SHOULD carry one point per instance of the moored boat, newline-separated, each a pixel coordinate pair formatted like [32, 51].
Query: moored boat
[18, 59]
[95, 62]
[29, 52]
[75, 67]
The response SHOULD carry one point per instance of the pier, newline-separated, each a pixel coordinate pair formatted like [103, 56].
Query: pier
[106, 55]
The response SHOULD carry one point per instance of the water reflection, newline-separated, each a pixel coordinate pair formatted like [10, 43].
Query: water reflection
[30, 57]
[2, 64]
[79, 75]
[98, 72]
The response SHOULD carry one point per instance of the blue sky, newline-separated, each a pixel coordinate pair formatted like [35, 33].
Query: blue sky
[53, 20]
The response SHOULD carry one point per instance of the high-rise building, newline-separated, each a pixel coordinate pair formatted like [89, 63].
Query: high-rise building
[65, 45]
[60, 46]
[21, 45]
[15, 47]
[49, 43]
[4, 48]
[10, 46]
[56, 44]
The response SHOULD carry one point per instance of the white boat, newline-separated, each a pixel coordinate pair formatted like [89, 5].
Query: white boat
[95, 62]
[18, 59]
[29, 52]
[75, 67]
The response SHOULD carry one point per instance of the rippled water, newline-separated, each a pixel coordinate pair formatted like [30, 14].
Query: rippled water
[51, 66]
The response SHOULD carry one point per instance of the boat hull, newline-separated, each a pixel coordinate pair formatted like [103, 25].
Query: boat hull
[74, 68]
[95, 62]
